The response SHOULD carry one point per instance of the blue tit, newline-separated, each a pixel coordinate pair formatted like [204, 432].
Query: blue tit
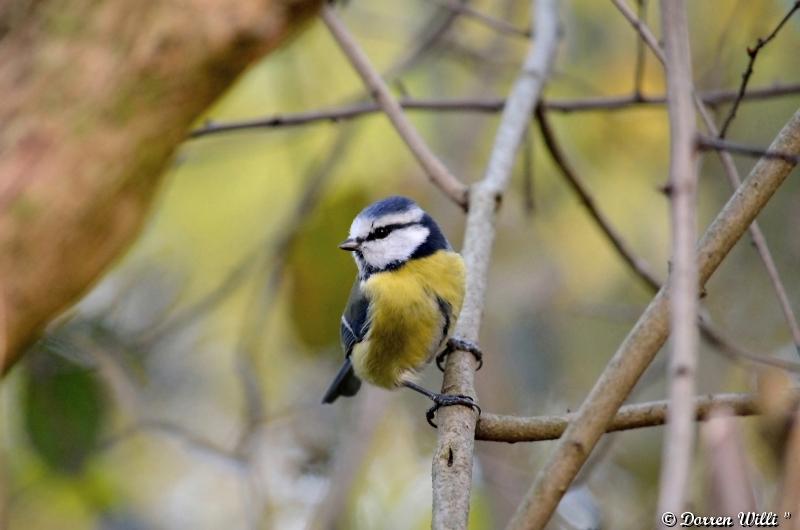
[404, 303]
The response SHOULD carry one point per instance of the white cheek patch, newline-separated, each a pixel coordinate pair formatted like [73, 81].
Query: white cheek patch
[396, 247]
[360, 227]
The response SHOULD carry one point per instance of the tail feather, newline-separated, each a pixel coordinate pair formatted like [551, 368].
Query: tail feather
[346, 383]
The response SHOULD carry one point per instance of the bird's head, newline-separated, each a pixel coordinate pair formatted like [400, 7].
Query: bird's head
[389, 233]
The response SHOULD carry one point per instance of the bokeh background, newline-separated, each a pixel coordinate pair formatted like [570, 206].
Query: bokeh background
[183, 391]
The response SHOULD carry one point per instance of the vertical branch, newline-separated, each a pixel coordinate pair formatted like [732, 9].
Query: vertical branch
[648, 335]
[756, 235]
[638, 73]
[452, 461]
[679, 435]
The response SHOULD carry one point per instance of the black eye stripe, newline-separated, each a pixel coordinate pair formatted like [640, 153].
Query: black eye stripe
[383, 231]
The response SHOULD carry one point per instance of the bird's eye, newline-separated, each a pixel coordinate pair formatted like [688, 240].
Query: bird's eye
[381, 232]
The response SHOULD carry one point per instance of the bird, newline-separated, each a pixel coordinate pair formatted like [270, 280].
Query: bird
[403, 305]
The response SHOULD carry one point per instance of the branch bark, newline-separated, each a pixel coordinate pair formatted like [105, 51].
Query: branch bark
[648, 335]
[487, 105]
[435, 168]
[679, 436]
[452, 461]
[513, 429]
[89, 127]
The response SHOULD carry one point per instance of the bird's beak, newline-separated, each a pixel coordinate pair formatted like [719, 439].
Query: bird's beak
[349, 245]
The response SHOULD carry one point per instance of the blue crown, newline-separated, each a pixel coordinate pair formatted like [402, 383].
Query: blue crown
[394, 204]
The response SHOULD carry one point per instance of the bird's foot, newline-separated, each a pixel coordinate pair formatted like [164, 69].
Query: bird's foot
[459, 345]
[448, 400]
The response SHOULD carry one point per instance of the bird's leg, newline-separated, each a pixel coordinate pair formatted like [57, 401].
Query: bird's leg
[442, 400]
[459, 345]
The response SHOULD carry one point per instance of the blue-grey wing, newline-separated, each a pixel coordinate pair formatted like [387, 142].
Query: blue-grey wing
[355, 321]
[355, 325]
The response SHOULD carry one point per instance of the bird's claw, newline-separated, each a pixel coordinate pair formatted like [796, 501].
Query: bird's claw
[448, 400]
[459, 345]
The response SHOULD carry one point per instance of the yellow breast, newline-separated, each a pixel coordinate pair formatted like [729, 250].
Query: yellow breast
[406, 320]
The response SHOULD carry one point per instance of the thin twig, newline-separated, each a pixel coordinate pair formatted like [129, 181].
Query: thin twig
[752, 53]
[499, 25]
[756, 235]
[715, 144]
[452, 462]
[641, 28]
[737, 353]
[638, 72]
[733, 176]
[647, 336]
[638, 265]
[435, 169]
[513, 429]
[483, 105]
[679, 441]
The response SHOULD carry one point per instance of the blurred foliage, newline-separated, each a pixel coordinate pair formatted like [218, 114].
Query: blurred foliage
[318, 268]
[160, 426]
[64, 410]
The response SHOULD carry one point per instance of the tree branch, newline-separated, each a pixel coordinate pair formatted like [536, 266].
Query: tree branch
[487, 105]
[513, 429]
[752, 53]
[64, 215]
[733, 176]
[499, 25]
[452, 461]
[679, 436]
[435, 169]
[640, 267]
[715, 144]
[648, 335]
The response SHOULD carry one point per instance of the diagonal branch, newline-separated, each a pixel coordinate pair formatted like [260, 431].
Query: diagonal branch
[513, 429]
[724, 148]
[638, 265]
[648, 335]
[452, 461]
[436, 170]
[752, 53]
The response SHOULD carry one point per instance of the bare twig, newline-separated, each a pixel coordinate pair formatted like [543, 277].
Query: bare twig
[648, 335]
[512, 429]
[715, 144]
[641, 28]
[488, 105]
[435, 169]
[752, 53]
[737, 353]
[638, 72]
[452, 462]
[638, 265]
[730, 169]
[679, 436]
[756, 235]
[499, 25]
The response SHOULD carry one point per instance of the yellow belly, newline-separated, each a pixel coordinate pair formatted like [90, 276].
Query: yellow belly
[406, 321]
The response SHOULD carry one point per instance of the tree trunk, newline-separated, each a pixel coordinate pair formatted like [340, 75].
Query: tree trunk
[96, 96]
